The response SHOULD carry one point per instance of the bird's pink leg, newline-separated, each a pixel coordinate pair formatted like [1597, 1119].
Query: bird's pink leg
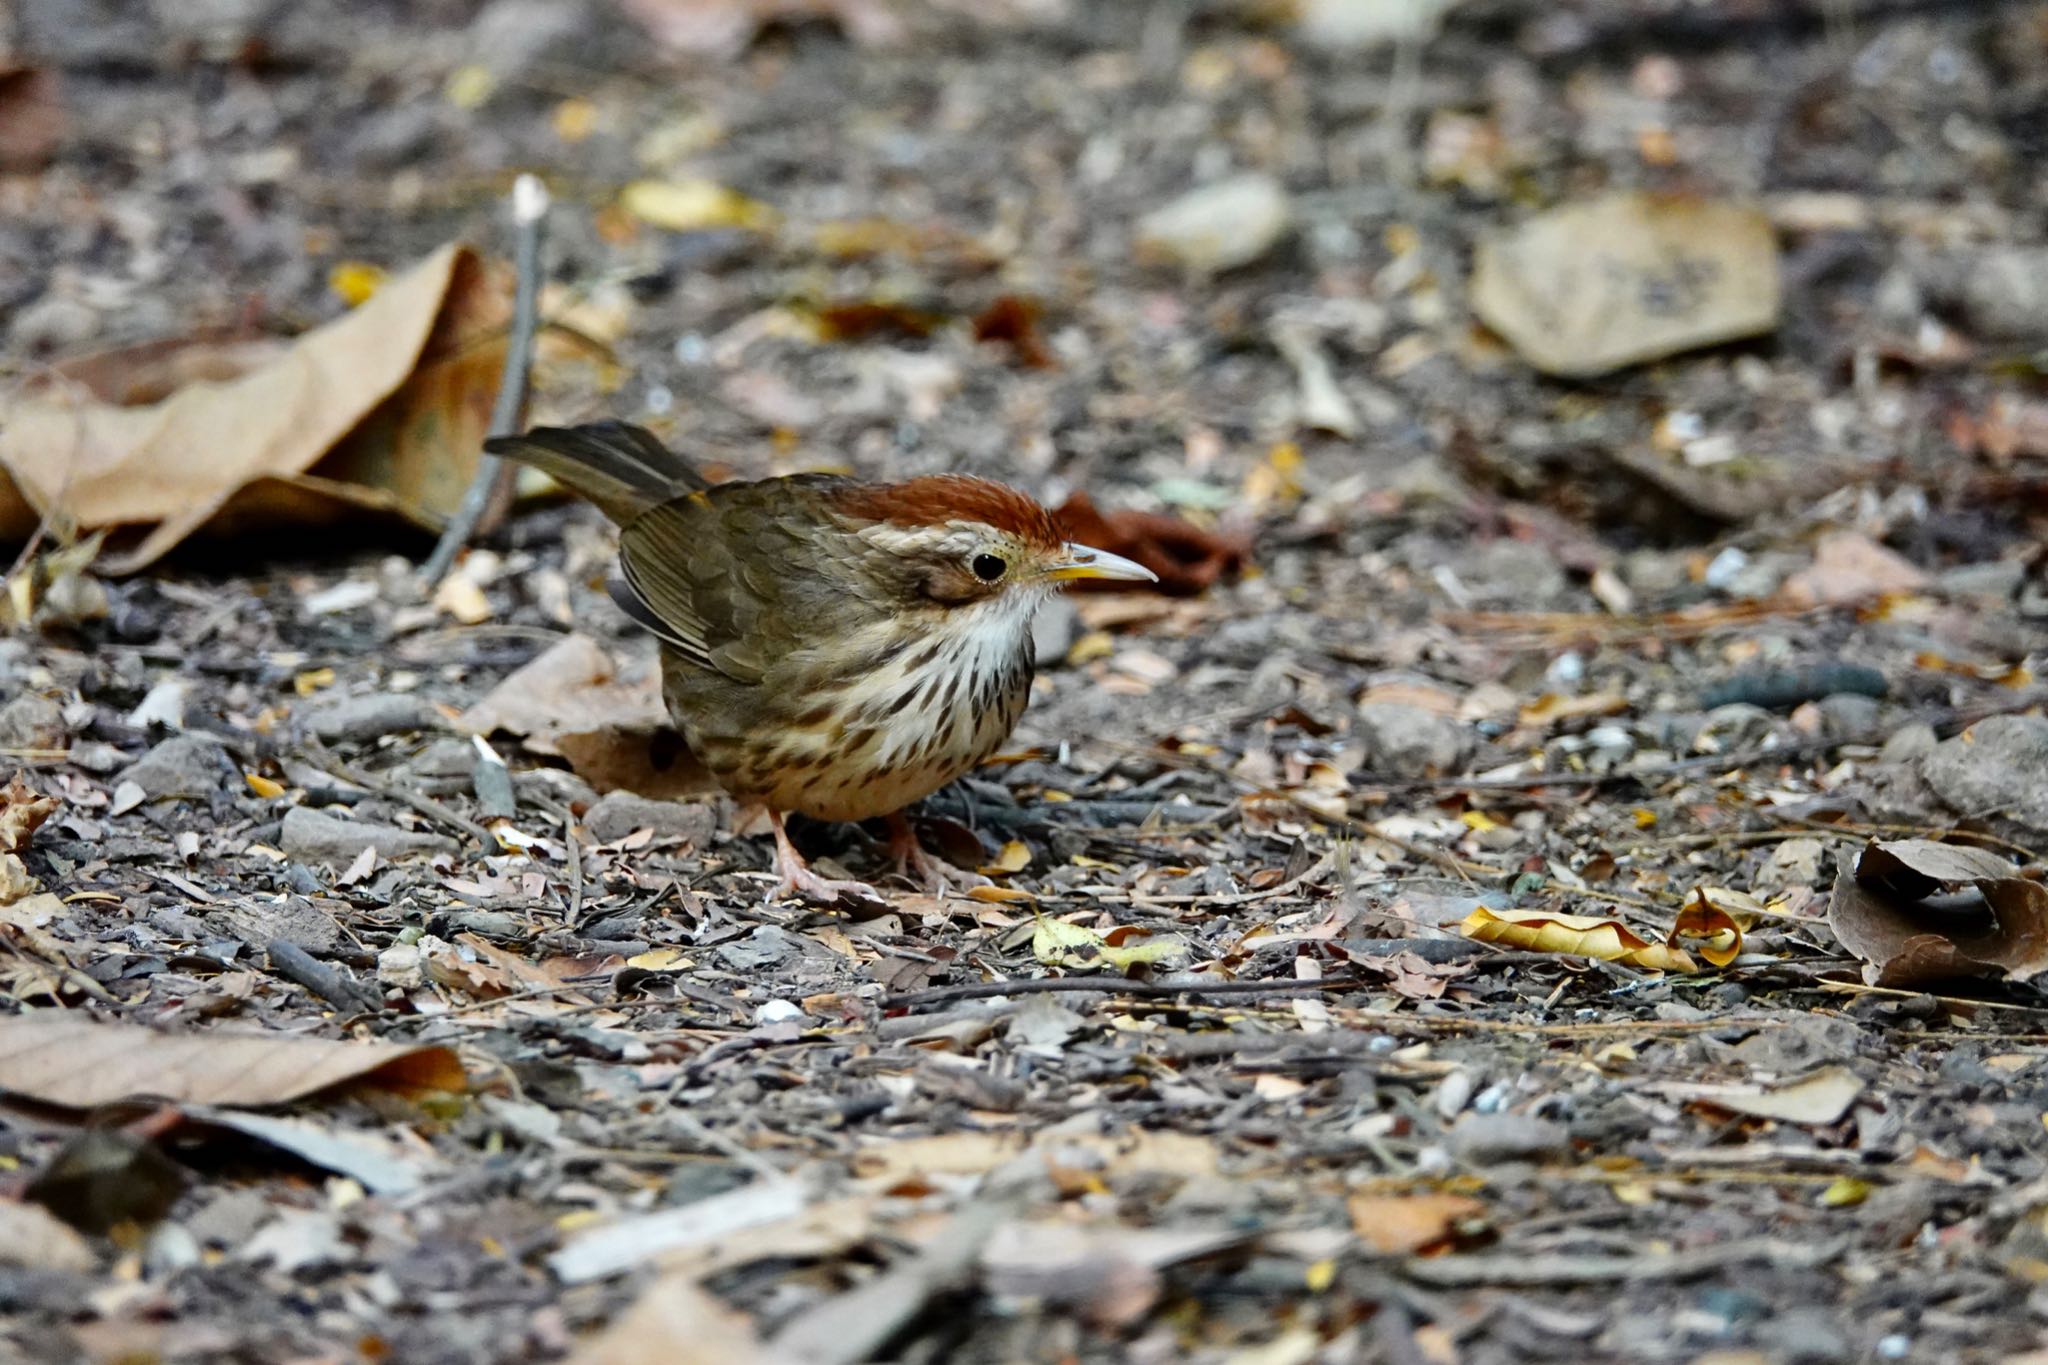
[935, 875]
[799, 880]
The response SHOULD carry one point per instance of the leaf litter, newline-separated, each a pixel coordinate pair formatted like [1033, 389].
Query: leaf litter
[1633, 676]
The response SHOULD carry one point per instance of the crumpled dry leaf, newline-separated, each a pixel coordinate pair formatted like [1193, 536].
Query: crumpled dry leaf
[1711, 931]
[1186, 557]
[65, 1058]
[1057, 943]
[605, 717]
[1609, 940]
[22, 809]
[1916, 911]
[676, 1322]
[1590, 287]
[1401, 1224]
[383, 409]
[1849, 566]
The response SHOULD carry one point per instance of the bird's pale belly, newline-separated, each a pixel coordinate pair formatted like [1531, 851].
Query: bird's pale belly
[839, 772]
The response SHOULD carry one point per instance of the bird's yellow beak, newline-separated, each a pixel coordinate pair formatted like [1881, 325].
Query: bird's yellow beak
[1078, 561]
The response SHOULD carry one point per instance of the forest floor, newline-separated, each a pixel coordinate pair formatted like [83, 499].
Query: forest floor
[1558, 879]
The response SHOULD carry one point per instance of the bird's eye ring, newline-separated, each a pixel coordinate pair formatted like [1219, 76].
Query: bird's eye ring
[988, 568]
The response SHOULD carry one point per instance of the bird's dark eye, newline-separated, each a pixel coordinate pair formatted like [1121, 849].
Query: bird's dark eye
[988, 568]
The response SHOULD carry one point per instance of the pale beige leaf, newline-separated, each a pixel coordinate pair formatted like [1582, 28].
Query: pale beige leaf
[63, 1057]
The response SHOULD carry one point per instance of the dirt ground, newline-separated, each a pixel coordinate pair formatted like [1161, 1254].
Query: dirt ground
[1269, 1045]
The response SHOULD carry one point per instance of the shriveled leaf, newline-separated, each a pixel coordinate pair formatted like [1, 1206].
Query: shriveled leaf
[1015, 857]
[1917, 911]
[1399, 1224]
[382, 409]
[1609, 940]
[64, 1058]
[372, 1160]
[1708, 930]
[1057, 943]
[694, 206]
[22, 809]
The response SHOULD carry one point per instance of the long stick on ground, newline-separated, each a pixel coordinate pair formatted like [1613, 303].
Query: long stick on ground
[529, 219]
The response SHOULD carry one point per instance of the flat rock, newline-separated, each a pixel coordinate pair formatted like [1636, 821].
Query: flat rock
[317, 837]
[361, 719]
[1995, 768]
[183, 765]
[1402, 740]
[1485, 1138]
[2005, 293]
[1218, 227]
[621, 813]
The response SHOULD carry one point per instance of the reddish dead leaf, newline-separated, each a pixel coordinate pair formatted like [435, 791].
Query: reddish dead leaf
[1014, 320]
[1918, 911]
[1402, 1224]
[381, 410]
[22, 809]
[31, 118]
[1850, 567]
[63, 1057]
[1186, 557]
[866, 319]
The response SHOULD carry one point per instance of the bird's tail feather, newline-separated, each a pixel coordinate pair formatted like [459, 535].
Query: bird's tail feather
[620, 467]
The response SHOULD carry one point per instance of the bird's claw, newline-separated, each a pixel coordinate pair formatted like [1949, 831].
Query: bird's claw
[935, 875]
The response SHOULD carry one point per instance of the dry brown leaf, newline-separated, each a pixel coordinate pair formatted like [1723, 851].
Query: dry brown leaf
[1820, 1098]
[1848, 566]
[22, 809]
[675, 1322]
[1552, 707]
[605, 717]
[1609, 940]
[1400, 1224]
[65, 1058]
[1590, 287]
[1917, 911]
[1186, 557]
[32, 118]
[383, 409]
[1709, 930]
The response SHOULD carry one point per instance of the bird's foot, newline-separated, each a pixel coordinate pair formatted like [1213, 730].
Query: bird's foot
[795, 877]
[935, 875]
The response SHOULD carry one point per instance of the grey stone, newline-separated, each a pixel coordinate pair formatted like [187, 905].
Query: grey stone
[318, 837]
[765, 948]
[360, 719]
[183, 765]
[292, 918]
[2005, 293]
[621, 813]
[1999, 767]
[1407, 741]
[1910, 744]
[1513, 573]
[32, 721]
[1848, 714]
[1484, 1138]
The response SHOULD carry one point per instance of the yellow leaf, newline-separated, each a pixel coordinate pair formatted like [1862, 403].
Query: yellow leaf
[1060, 944]
[1847, 1190]
[1320, 1275]
[1015, 857]
[1479, 821]
[1001, 895]
[575, 120]
[353, 282]
[659, 959]
[263, 786]
[312, 680]
[1712, 931]
[1096, 644]
[469, 86]
[1645, 817]
[1609, 940]
[693, 206]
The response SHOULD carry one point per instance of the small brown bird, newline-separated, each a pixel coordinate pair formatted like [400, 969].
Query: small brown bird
[837, 648]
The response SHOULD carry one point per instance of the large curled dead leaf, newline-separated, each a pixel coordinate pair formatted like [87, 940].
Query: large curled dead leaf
[1917, 911]
[1708, 929]
[1401, 1224]
[1186, 557]
[1821, 1097]
[1593, 936]
[383, 409]
[605, 716]
[65, 1058]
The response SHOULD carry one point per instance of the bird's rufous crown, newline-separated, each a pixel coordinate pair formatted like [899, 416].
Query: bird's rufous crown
[937, 499]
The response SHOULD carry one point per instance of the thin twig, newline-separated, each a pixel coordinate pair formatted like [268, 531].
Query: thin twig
[529, 218]
[324, 759]
[1111, 985]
